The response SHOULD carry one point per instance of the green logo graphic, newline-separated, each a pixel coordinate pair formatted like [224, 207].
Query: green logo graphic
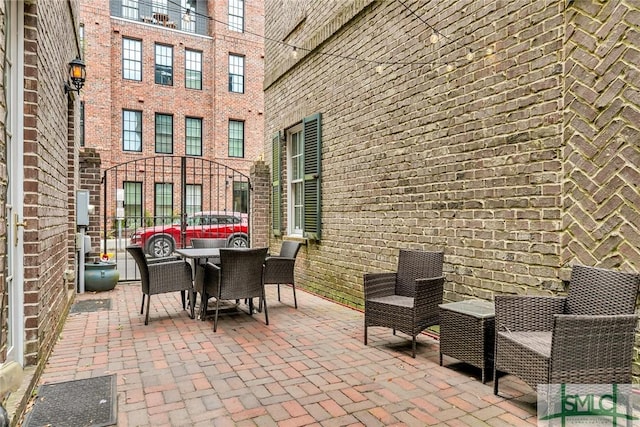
[585, 404]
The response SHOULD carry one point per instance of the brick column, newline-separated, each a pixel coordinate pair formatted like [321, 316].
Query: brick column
[259, 202]
[90, 180]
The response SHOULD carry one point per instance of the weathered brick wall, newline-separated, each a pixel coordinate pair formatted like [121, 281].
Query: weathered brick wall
[601, 215]
[90, 176]
[453, 143]
[49, 45]
[259, 203]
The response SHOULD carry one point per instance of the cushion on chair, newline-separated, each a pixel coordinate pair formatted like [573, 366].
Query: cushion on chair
[537, 342]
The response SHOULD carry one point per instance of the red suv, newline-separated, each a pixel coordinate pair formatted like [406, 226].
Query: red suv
[161, 240]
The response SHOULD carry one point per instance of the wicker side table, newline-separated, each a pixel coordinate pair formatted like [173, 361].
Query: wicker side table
[467, 330]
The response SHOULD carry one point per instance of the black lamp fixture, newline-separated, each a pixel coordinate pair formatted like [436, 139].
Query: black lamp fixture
[77, 75]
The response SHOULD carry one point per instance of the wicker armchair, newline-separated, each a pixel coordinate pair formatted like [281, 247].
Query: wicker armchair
[586, 337]
[208, 243]
[279, 269]
[240, 276]
[160, 276]
[408, 299]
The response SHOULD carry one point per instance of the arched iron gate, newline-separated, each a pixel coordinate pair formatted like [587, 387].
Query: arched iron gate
[162, 202]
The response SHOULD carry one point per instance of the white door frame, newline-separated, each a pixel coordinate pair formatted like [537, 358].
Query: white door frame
[14, 76]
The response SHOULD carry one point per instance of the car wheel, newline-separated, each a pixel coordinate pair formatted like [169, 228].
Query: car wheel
[161, 247]
[238, 242]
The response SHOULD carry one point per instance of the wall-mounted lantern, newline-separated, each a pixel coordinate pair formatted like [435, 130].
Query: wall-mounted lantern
[77, 75]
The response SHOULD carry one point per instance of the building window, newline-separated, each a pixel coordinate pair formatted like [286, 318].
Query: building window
[295, 181]
[302, 186]
[82, 135]
[193, 69]
[189, 16]
[164, 65]
[193, 132]
[159, 6]
[241, 196]
[131, 59]
[164, 134]
[194, 198]
[236, 138]
[164, 203]
[131, 130]
[236, 73]
[132, 204]
[236, 15]
[130, 9]
[82, 41]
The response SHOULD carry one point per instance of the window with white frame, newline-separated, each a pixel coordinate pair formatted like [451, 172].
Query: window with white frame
[236, 73]
[188, 16]
[301, 150]
[236, 15]
[295, 180]
[159, 6]
[131, 59]
[130, 9]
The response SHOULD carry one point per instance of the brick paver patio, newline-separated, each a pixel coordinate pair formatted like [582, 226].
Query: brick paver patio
[308, 367]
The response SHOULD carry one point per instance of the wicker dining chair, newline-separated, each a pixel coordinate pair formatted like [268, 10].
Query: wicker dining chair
[586, 337]
[159, 276]
[208, 243]
[239, 277]
[278, 270]
[406, 300]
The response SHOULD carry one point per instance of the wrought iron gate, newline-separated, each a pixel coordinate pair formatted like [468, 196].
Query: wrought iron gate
[161, 203]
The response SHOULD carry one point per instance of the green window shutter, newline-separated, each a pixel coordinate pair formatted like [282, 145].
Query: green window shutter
[312, 172]
[276, 193]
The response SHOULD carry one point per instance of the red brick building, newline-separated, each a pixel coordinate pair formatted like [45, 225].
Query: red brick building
[173, 78]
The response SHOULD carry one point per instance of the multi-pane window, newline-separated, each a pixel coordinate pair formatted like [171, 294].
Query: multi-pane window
[131, 59]
[193, 69]
[130, 9]
[236, 15]
[164, 133]
[236, 138]
[159, 6]
[164, 65]
[132, 204]
[296, 180]
[82, 41]
[164, 203]
[240, 196]
[193, 135]
[188, 15]
[82, 131]
[194, 198]
[303, 171]
[236, 73]
[131, 130]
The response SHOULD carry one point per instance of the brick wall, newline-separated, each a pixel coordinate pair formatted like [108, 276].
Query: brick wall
[601, 198]
[49, 45]
[90, 179]
[507, 137]
[455, 146]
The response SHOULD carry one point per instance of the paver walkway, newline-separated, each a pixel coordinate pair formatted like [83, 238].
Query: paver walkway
[308, 367]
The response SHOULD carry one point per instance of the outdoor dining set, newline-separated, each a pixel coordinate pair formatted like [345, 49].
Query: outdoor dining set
[585, 337]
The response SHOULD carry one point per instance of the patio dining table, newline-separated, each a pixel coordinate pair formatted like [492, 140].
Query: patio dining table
[196, 255]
